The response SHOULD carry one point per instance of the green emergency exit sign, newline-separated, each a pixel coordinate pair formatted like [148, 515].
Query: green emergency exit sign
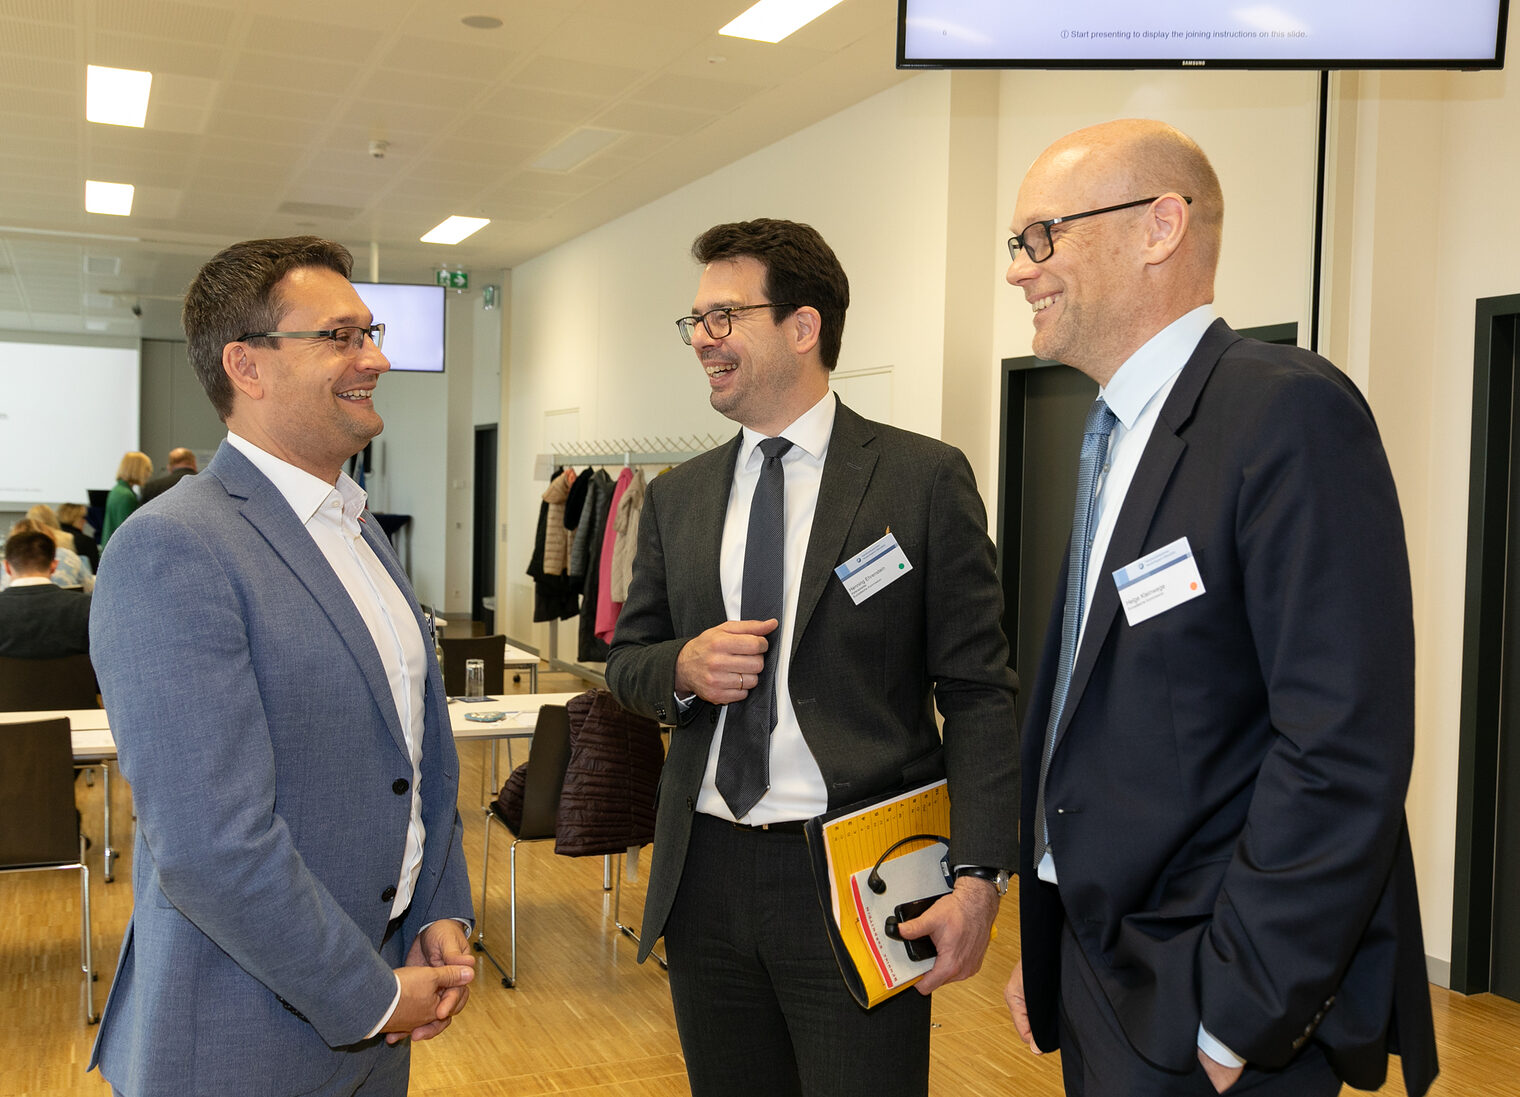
[453, 279]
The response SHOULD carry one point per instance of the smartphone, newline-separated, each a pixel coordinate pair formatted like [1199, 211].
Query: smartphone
[923, 947]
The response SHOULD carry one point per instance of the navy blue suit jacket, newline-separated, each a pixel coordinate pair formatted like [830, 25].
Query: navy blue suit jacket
[1226, 797]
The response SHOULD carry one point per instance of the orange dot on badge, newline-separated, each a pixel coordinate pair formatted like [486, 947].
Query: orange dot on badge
[1192, 586]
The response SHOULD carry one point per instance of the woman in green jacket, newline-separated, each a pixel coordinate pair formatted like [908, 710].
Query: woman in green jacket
[131, 475]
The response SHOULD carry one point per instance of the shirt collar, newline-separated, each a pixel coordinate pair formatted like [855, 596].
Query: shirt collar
[304, 492]
[31, 581]
[809, 432]
[1141, 376]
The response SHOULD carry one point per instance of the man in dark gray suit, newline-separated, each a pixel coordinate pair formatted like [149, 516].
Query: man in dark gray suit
[850, 687]
[181, 464]
[37, 619]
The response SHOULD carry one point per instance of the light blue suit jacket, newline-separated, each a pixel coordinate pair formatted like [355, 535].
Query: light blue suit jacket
[271, 782]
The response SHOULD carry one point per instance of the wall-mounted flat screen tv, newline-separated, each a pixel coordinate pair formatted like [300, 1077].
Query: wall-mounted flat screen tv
[1277, 34]
[413, 319]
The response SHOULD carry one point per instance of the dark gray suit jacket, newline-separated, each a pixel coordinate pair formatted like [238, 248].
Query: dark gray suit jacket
[865, 680]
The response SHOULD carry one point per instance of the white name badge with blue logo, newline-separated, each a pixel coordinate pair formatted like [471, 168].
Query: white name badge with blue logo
[1158, 582]
[878, 566]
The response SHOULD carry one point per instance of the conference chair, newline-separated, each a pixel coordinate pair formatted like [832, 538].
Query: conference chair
[31, 685]
[68, 681]
[491, 650]
[39, 827]
[544, 778]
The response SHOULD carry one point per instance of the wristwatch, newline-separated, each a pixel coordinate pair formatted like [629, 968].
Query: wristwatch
[997, 877]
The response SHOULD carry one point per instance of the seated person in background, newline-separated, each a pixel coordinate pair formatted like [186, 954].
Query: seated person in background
[71, 521]
[181, 464]
[43, 515]
[70, 570]
[38, 620]
[131, 474]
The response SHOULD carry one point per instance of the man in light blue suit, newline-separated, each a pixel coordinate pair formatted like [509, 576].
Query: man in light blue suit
[302, 905]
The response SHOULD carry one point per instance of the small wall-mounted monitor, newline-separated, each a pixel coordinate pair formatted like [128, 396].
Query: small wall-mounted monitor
[413, 319]
[1283, 34]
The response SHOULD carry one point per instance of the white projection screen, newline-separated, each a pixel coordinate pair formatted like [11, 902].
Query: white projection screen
[67, 414]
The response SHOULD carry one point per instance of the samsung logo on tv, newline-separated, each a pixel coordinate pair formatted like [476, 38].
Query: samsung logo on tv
[1194, 64]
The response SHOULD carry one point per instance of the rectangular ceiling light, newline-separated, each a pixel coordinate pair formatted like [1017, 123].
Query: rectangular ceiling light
[773, 20]
[454, 229]
[117, 97]
[576, 149]
[113, 198]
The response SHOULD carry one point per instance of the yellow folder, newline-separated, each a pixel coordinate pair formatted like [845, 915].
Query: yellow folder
[845, 846]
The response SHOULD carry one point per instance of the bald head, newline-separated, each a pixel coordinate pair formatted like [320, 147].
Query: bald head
[182, 458]
[1133, 215]
[1137, 157]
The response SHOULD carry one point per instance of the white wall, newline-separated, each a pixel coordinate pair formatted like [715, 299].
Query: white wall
[593, 332]
[1419, 225]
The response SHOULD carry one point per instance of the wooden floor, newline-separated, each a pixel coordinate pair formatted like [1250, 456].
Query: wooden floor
[585, 1020]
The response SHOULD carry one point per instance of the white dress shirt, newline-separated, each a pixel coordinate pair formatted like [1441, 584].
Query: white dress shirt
[332, 515]
[797, 789]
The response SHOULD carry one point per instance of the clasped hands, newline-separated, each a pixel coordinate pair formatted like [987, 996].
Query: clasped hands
[434, 982]
[724, 663]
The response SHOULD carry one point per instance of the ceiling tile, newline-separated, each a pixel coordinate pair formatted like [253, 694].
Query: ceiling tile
[166, 19]
[317, 40]
[577, 76]
[156, 55]
[486, 63]
[679, 90]
[649, 118]
[254, 69]
[538, 103]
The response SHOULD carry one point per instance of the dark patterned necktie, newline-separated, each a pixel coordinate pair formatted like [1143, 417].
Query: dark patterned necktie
[744, 758]
[1100, 422]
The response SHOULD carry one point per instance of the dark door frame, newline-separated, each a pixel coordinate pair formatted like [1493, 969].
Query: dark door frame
[1488, 533]
[483, 533]
[1011, 487]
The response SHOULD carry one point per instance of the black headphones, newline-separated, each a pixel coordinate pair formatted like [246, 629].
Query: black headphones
[874, 880]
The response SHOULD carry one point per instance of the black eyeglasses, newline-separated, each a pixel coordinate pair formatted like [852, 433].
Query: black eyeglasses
[718, 322]
[348, 339]
[1036, 240]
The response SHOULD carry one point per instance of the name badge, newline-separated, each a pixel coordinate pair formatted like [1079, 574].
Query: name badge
[879, 565]
[1156, 583]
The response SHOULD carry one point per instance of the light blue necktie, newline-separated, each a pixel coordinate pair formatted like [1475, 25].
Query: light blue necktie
[1100, 423]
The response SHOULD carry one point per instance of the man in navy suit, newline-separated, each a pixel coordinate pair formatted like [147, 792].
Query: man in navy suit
[759, 1000]
[1219, 891]
[300, 889]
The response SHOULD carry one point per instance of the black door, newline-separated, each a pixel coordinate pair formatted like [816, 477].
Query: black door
[483, 557]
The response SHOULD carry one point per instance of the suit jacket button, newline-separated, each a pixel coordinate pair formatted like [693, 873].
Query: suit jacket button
[387, 895]
[400, 785]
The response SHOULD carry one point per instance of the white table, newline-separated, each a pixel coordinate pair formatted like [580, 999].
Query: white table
[517, 659]
[521, 716]
[90, 731]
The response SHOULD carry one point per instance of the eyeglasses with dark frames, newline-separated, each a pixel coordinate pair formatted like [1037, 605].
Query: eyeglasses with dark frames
[349, 339]
[1037, 242]
[719, 322]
